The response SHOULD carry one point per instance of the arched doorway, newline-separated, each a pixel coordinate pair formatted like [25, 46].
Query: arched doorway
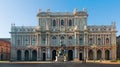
[99, 55]
[107, 55]
[34, 55]
[18, 55]
[80, 56]
[90, 55]
[70, 55]
[44, 57]
[1, 56]
[53, 54]
[26, 55]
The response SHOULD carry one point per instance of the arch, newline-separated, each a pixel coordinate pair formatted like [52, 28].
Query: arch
[107, 55]
[54, 55]
[90, 55]
[18, 55]
[70, 55]
[70, 22]
[99, 55]
[54, 22]
[34, 55]
[62, 22]
[26, 55]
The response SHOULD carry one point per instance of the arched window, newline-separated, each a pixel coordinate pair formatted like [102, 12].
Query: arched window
[62, 23]
[99, 41]
[107, 40]
[54, 23]
[81, 41]
[90, 41]
[70, 22]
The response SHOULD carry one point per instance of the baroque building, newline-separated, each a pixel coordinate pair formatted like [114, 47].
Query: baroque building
[4, 49]
[81, 41]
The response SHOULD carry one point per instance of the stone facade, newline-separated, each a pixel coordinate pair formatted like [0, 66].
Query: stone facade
[81, 41]
[4, 50]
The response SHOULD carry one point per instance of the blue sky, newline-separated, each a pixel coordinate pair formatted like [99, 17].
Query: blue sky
[23, 12]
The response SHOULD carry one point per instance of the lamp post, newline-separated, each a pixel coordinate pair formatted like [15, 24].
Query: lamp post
[94, 47]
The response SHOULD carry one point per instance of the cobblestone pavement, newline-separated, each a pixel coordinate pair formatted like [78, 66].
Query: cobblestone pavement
[58, 64]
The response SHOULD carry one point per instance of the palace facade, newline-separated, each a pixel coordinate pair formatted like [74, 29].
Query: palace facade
[81, 41]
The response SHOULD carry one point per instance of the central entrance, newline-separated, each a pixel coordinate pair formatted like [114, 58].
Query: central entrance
[70, 55]
[44, 56]
[80, 56]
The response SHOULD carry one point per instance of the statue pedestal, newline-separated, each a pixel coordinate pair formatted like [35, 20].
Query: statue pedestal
[60, 58]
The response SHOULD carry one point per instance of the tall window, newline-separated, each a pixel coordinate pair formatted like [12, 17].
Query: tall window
[107, 40]
[62, 40]
[62, 23]
[70, 22]
[54, 23]
[81, 41]
[18, 41]
[70, 40]
[54, 40]
[90, 41]
[33, 41]
[99, 41]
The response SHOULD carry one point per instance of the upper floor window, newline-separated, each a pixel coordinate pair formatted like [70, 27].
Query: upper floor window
[107, 40]
[90, 41]
[18, 41]
[62, 22]
[81, 41]
[99, 41]
[54, 23]
[33, 41]
[54, 37]
[70, 22]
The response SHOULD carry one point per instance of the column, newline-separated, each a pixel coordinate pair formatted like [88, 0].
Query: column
[95, 54]
[48, 55]
[22, 54]
[103, 54]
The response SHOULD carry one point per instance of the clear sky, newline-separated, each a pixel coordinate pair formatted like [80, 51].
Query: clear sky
[23, 12]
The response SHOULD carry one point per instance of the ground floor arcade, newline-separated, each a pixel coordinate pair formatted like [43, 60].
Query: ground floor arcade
[72, 53]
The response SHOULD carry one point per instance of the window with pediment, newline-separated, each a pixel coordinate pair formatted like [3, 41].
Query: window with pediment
[90, 41]
[62, 22]
[54, 22]
[107, 40]
[70, 22]
[33, 41]
[70, 40]
[99, 41]
[81, 41]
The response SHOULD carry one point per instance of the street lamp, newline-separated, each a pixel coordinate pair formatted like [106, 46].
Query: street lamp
[94, 47]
